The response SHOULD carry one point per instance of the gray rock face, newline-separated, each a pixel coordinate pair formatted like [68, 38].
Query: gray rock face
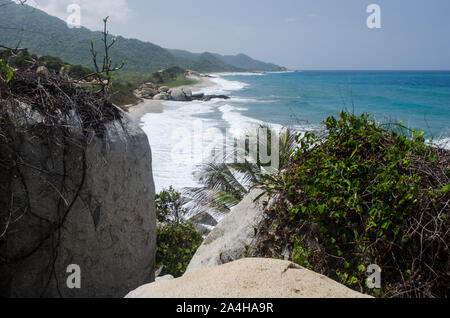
[203, 223]
[163, 89]
[149, 92]
[161, 96]
[178, 95]
[229, 239]
[187, 92]
[109, 230]
[203, 218]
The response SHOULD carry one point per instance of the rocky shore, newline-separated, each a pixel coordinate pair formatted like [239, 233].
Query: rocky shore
[152, 103]
[152, 91]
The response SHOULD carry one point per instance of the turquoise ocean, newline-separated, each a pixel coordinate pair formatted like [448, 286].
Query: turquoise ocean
[419, 99]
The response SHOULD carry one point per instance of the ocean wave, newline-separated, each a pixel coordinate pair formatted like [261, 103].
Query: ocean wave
[238, 123]
[443, 143]
[251, 100]
[241, 74]
[222, 86]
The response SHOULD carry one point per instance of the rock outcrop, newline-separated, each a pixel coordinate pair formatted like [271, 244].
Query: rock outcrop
[248, 278]
[203, 223]
[109, 225]
[230, 238]
[147, 90]
[178, 95]
[183, 94]
[162, 96]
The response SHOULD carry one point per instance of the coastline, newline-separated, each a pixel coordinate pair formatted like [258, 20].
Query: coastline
[149, 106]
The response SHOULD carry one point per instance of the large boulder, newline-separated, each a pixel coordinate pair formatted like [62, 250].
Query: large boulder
[161, 96]
[163, 89]
[229, 240]
[178, 95]
[102, 220]
[248, 278]
[148, 92]
[187, 92]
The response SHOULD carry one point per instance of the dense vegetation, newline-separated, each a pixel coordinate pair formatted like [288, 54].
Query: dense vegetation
[172, 77]
[177, 239]
[47, 35]
[365, 194]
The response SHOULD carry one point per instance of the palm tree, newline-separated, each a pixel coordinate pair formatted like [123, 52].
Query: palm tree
[224, 185]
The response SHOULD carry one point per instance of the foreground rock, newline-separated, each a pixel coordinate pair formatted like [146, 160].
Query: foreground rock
[248, 278]
[230, 238]
[109, 230]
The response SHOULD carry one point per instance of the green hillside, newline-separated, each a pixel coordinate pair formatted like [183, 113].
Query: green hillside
[245, 62]
[43, 34]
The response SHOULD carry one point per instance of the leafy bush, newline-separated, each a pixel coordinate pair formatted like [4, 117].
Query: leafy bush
[122, 95]
[176, 245]
[169, 206]
[362, 195]
[169, 75]
[177, 240]
[78, 71]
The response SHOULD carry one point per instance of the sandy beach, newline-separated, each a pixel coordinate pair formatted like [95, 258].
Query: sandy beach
[136, 112]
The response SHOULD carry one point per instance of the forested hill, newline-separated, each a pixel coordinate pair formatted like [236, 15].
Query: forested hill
[43, 34]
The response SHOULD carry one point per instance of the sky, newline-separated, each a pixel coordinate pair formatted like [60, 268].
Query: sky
[298, 34]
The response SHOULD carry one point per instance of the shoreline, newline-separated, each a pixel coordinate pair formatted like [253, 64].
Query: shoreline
[149, 106]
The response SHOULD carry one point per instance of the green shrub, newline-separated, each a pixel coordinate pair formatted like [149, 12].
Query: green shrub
[177, 240]
[362, 195]
[78, 71]
[176, 245]
[169, 206]
[180, 81]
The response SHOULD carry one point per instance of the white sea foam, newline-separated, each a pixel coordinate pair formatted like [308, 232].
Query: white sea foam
[243, 74]
[173, 139]
[222, 86]
[443, 142]
[176, 146]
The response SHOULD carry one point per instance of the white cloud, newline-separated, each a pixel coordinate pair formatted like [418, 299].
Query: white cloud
[291, 20]
[92, 11]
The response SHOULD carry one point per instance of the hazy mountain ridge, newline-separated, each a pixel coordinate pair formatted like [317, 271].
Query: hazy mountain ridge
[43, 34]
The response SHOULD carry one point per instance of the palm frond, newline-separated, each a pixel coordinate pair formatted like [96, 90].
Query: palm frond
[225, 183]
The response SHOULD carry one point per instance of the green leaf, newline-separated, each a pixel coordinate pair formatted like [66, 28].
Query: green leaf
[9, 74]
[445, 189]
